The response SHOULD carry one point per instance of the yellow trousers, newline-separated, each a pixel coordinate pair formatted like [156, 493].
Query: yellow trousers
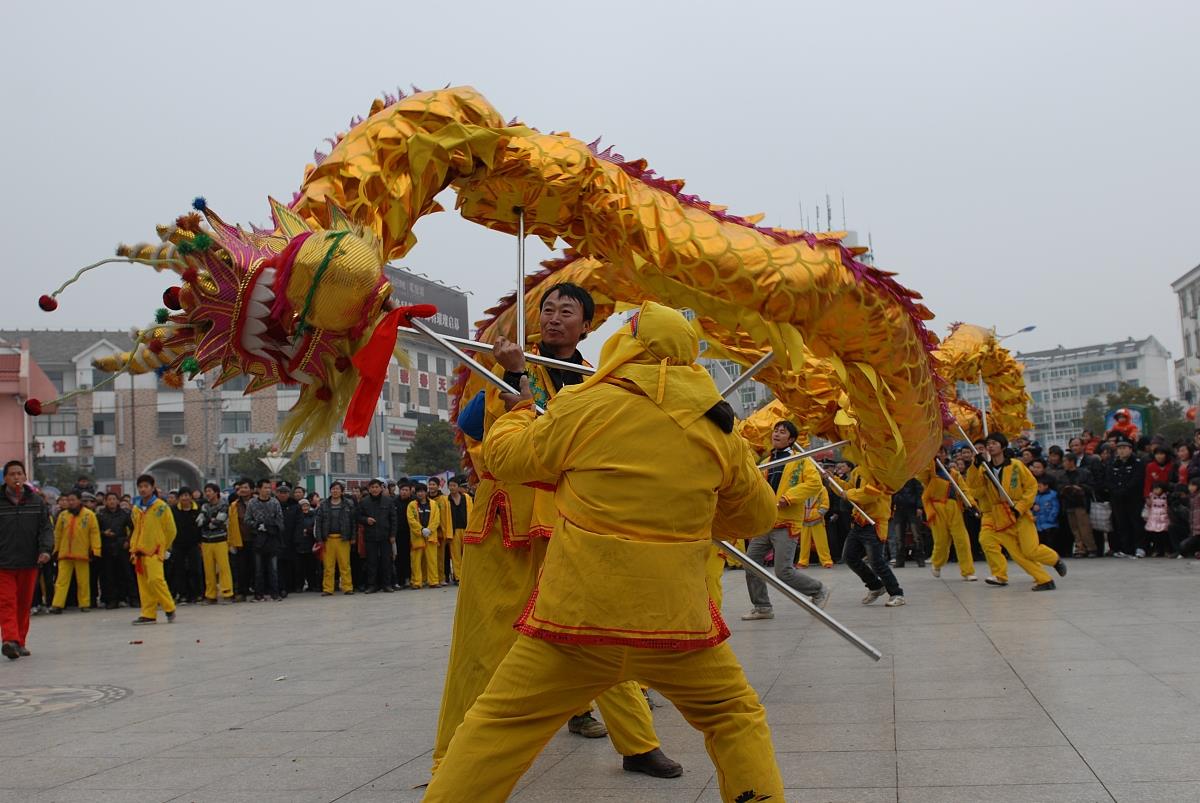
[810, 534]
[337, 555]
[945, 531]
[426, 565]
[456, 552]
[1021, 542]
[83, 582]
[152, 588]
[539, 685]
[495, 586]
[216, 569]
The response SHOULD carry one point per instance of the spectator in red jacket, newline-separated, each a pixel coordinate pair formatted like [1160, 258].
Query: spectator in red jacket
[1160, 469]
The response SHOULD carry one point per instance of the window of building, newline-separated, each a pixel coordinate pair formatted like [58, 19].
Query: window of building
[405, 394]
[1131, 365]
[1034, 376]
[441, 366]
[422, 398]
[1133, 383]
[443, 400]
[170, 423]
[105, 467]
[386, 394]
[282, 414]
[422, 361]
[56, 378]
[238, 382]
[398, 469]
[337, 463]
[235, 421]
[64, 422]
[100, 377]
[364, 464]
[104, 424]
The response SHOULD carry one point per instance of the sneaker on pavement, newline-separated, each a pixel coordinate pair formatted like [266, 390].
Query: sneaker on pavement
[970, 578]
[171, 618]
[1141, 553]
[144, 620]
[1046, 586]
[995, 581]
[821, 598]
[894, 602]
[936, 571]
[588, 726]
[1117, 554]
[11, 650]
[23, 651]
[758, 613]
[873, 595]
[655, 764]
[1061, 568]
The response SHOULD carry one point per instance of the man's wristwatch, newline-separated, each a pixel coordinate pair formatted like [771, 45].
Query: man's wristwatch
[513, 378]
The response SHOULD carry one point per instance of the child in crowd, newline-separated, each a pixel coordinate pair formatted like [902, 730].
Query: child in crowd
[1045, 511]
[1157, 517]
[1180, 512]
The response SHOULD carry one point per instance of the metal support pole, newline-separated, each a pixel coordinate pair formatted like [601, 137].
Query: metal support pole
[801, 600]
[475, 345]
[471, 362]
[748, 374]
[800, 455]
[520, 308]
[825, 475]
[983, 403]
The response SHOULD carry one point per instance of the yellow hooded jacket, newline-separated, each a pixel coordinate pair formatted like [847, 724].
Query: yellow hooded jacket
[415, 539]
[153, 530]
[800, 484]
[626, 565]
[77, 535]
[875, 501]
[940, 500]
[1017, 481]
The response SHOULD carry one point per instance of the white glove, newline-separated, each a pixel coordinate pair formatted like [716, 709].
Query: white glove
[168, 555]
[262, 528]
[425, 531]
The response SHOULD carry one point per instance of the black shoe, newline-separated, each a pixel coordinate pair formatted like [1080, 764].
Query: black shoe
[171, 618]
[992, 581]
[1046, 586]
[56, 611]
[655, 764]
[1061, 568]
[326, 593]
[387, 590]
[11, 650]
[144, 620]
[111, 606]
[84, 610]
[23, 651]
[371, 590]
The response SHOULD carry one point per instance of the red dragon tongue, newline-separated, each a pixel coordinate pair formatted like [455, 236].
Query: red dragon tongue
[372, 362]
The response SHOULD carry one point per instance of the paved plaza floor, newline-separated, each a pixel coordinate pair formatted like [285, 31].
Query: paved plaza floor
[1088, 693]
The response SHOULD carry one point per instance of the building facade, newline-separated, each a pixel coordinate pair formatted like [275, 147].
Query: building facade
[135, 424]
[1187, 367]
[1061, 381]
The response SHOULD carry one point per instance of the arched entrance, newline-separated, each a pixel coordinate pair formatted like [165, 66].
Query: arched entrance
[171, 472]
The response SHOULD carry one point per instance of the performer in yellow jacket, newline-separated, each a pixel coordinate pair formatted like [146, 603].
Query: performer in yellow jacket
[867, 541]
[622, 592]
[149, 546]
[459, 505]
[793, 483]
[76, 542]
[503, 549]
[1010, 527]
[424, 528]
[445, 530]
[944, 515]
[812, 530]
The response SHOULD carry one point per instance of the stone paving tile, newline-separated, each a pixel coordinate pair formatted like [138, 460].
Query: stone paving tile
[869, 768]
[1144, 762]
[1155, 792]
[1016, 793]
[992, 765]
[976, 733]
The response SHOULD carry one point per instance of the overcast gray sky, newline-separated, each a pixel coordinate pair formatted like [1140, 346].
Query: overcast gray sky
[1017, 162]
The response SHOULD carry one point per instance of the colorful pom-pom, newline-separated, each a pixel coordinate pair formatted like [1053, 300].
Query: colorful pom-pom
[190, 366]
[48, 303]
[188, 222]
[160, 315]
[160, 371]
[202, 242]
[173, 379]
[199, 204]
[324, 394]
[155, 346]
[171, 298]
[190, 275]
[33, 407]
[342, 363]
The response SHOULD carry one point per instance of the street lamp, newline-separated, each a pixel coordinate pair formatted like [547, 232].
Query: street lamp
[1020, 331]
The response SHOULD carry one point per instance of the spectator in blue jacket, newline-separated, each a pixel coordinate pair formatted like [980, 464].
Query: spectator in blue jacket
[1045, 511]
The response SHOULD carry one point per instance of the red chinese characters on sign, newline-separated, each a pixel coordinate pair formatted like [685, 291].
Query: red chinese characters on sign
[423, 379]
[403, 376]
[441, 386]
[60, 446]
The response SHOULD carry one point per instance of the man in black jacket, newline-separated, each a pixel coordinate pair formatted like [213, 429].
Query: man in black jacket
[1075, 495]
[377, 515]
[1123, 480]
[115, 529]
[187, 572]
[291, 522]
[26, 541]
[403, 555]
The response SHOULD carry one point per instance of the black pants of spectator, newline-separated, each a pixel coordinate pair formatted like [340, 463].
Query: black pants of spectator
[379, 555]
[358, 569]
[1127, 526]
[1050, 538]
[113, 588]
[266, 574]
[243, 570]
[304, 572]
[448, 564]
[287, 569]
[94, 581]
[186, 579]
[403, 561]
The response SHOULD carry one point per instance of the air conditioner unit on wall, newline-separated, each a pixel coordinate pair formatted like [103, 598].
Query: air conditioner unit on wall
[314, 465]
[85, 432]
[87, 461]
[342, 439]
[85, 441]
[179, 440]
